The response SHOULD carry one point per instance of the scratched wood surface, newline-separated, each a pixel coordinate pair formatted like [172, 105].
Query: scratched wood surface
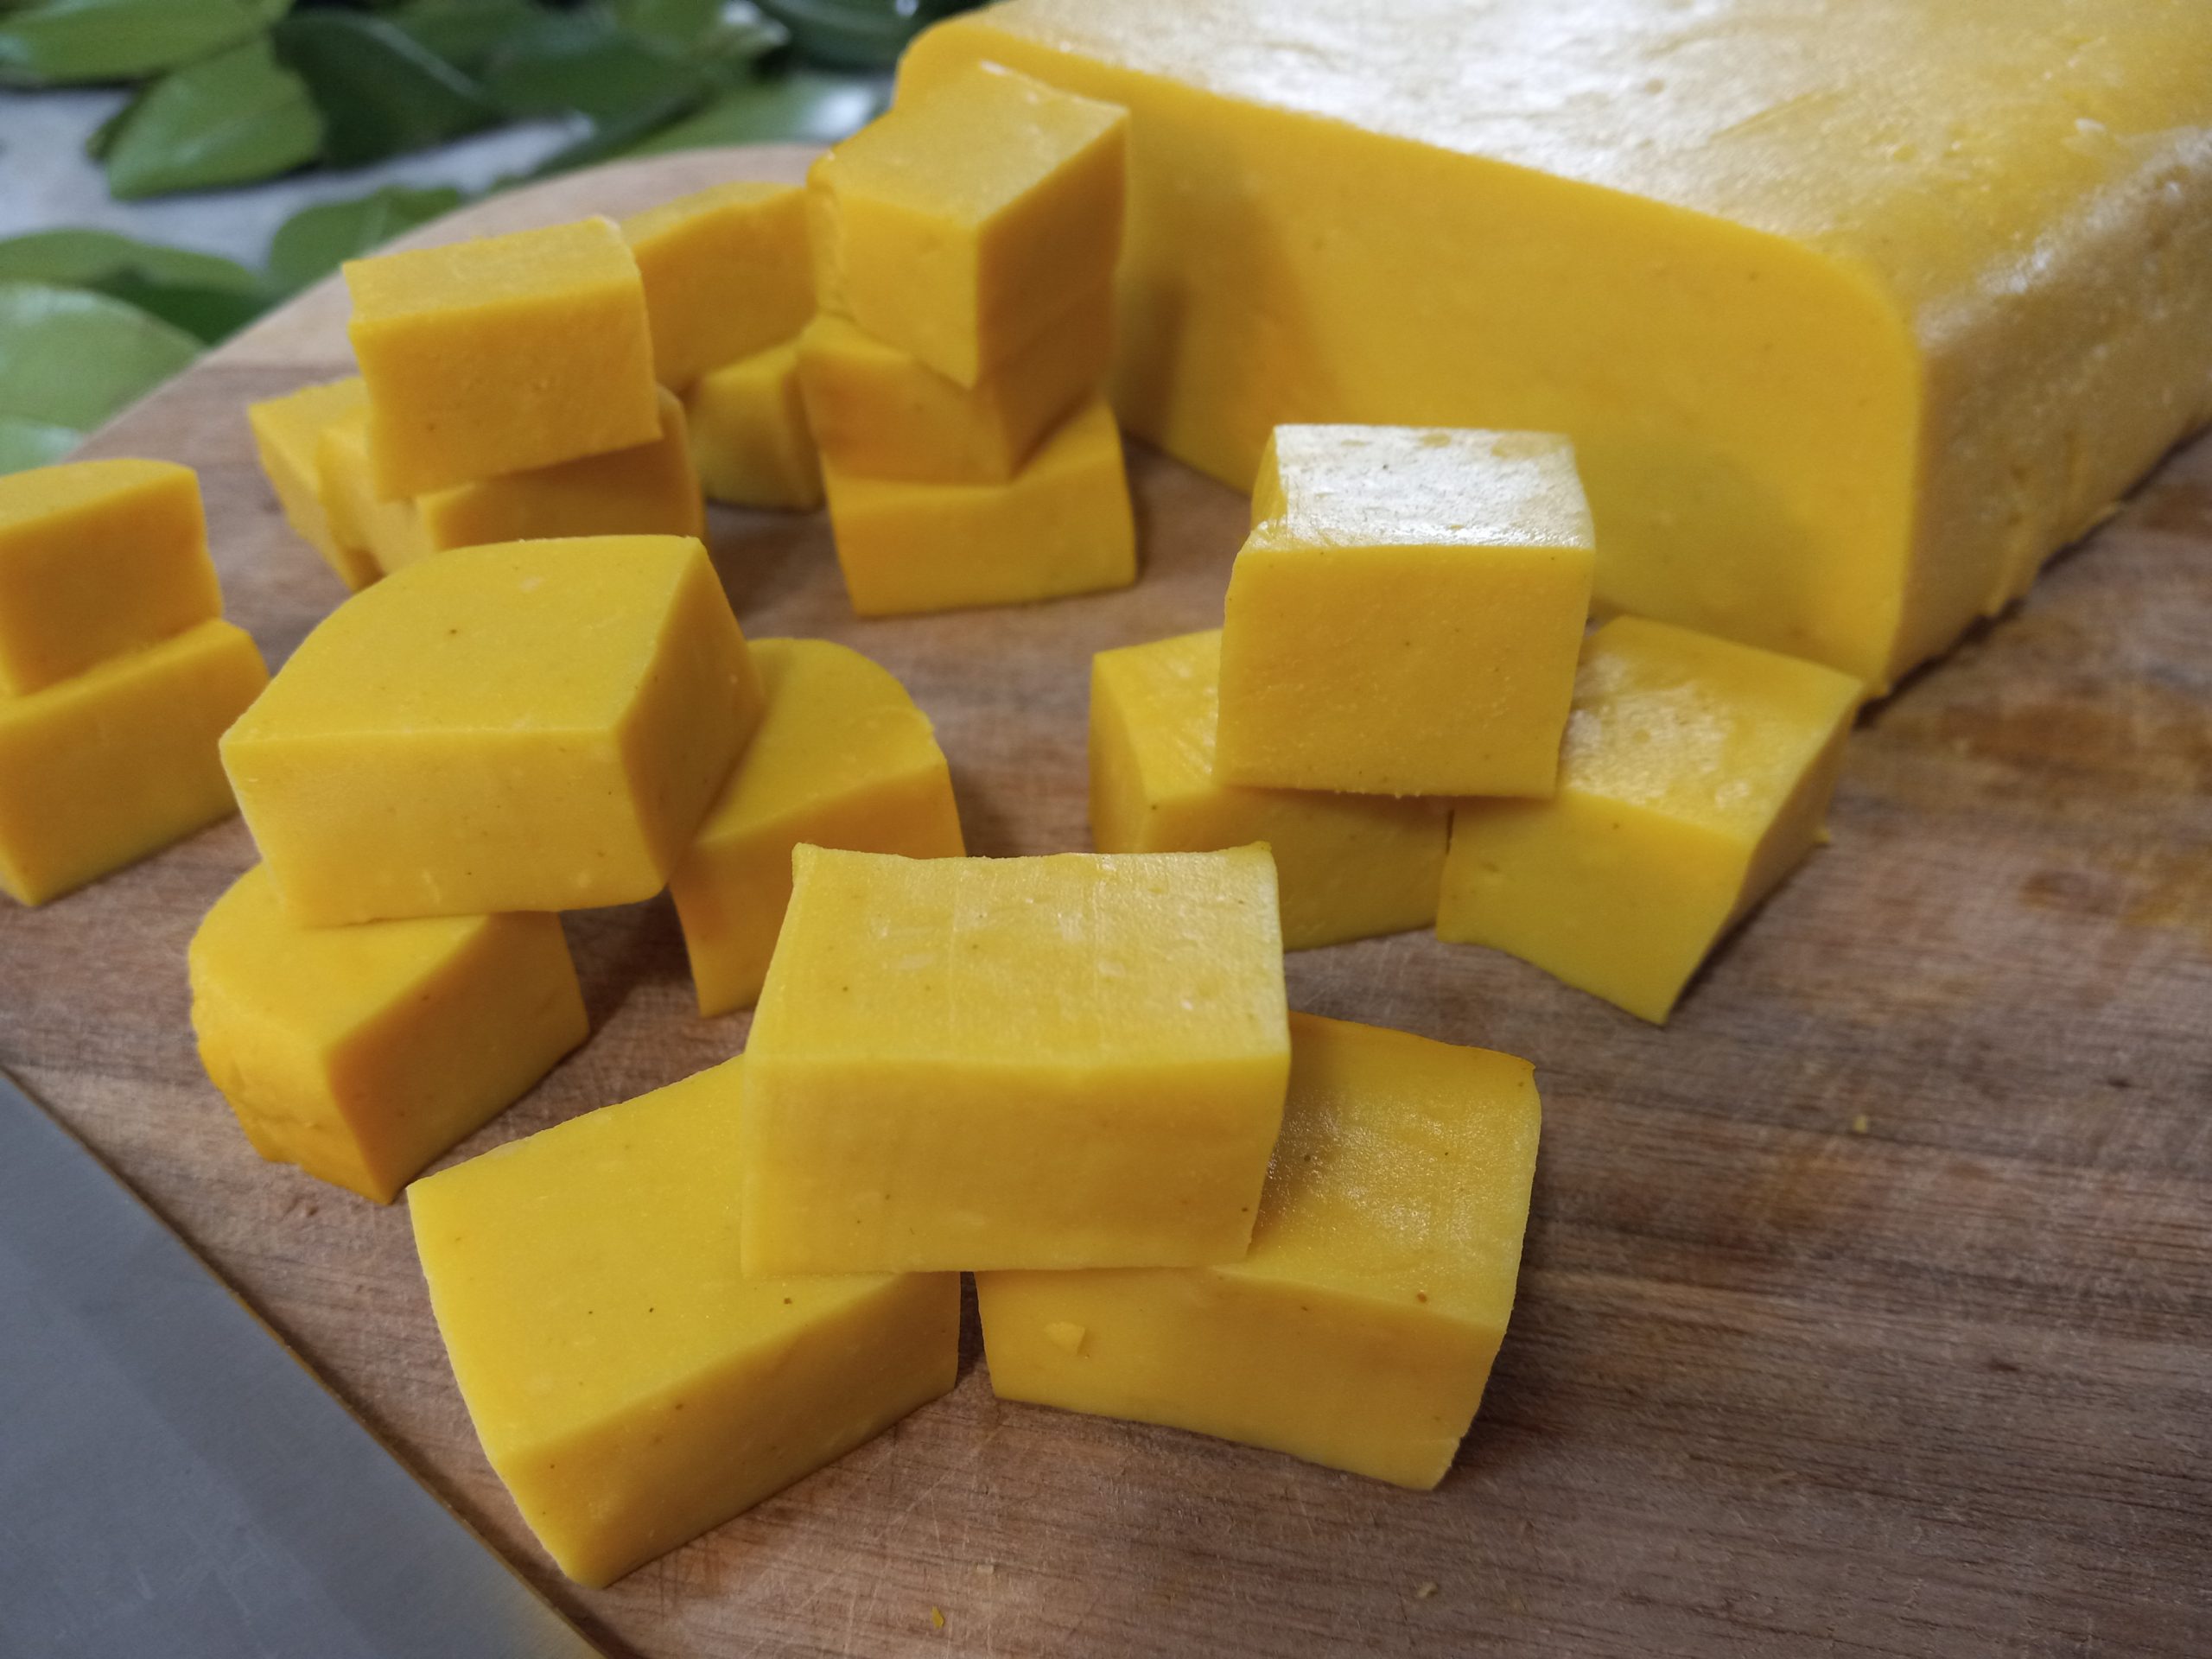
[1867, 1309]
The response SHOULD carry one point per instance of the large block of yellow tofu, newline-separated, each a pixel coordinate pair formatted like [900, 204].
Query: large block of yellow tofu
[1855, 309]
[526, 726]
[1404, 618]
[1350, 866]
[750, 439]
[629, 1385]
[1697, 775]
[1063, 525]
[363, 1053]
[1360, 1330]
[287, 433]
[727, 272]
[505, 352]
[842, 758]
[97, 557]
[1072, 1061]
[958, 226]
[109, 765]
[880, 412]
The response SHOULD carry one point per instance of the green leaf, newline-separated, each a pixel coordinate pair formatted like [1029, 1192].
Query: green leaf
[91, 259]
[65, 41]
[803, 105]
[101, 139]
[380, 94]
[25, 444]
[227, 119]
[857, 34]
[462, 32]
[72, 357]
[315, 241]
[677, 21]
[581, 61]
[201, 293]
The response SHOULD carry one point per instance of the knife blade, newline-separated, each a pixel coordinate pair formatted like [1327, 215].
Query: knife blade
[175, 1482]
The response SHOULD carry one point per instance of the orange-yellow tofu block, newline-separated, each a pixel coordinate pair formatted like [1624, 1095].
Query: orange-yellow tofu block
[373, 534]
[961, 225]
[1359, 1331]
[628, 1384]
[1856, 310]
[97, 557]
[108, 765]
[1072, 1061]
[363, 1053]
[880, 412]
[649, 489]
[749, 435]
[288, 432]
[841, 758]
[727, 274]
[1350, 866]
[1697, 773]
[1403, 619]
[526, 726]
[502, 354]
[1063, 526]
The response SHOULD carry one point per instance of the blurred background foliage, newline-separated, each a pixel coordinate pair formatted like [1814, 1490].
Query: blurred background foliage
[226, 94]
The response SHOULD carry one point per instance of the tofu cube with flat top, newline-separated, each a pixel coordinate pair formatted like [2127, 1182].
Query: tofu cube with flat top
[503, 352]
[959, 226]
[1069, 1061]
[363, 1053]
[1359, 1330]
[1696, 776]
[1404, 617]
[629, 1384]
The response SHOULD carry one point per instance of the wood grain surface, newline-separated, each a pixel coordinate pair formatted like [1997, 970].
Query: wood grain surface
[1867, 1308]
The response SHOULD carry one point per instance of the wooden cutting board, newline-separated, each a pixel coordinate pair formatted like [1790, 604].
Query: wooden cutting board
[1867, 1308]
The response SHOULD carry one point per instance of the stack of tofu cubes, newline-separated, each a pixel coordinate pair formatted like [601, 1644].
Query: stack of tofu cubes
[964, 248]
[705, 295]
[1075, 1076]
[1402, 701]
[728, 287]
[117, 672]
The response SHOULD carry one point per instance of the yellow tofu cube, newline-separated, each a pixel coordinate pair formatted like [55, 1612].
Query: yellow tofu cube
[959, 226]
[1406, 623]
[526, 726]
[97, 558]
[101, 769]
[1350, 866]
[1360, 1329]
[750, 440]
[1062, 526]
[288, 433]
[628, 1384]
[880, 412]
[362, 1054]
[842, 758]
[727, 273]
[505, 352]
[1072, 1061]
[649, 489]
[1697, 775]
[372, 534]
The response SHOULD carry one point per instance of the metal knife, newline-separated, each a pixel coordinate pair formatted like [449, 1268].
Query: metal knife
[174, 1483]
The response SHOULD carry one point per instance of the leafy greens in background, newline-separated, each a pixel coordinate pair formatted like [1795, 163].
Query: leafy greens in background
[228, 92]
